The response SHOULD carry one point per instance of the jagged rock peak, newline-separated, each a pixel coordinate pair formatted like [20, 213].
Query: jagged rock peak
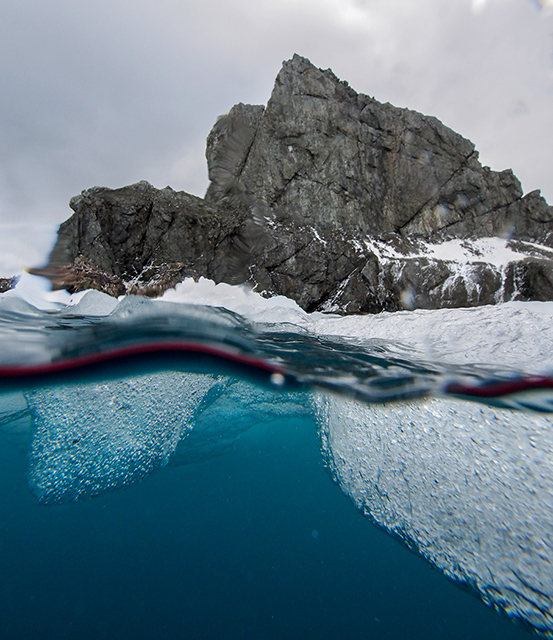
[324, 155]
[326, 196]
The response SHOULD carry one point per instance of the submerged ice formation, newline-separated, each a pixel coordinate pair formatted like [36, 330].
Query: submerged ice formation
[90, 438]
[470, 488]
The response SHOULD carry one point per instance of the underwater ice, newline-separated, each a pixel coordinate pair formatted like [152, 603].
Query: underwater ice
[468, 487]
[90, 438]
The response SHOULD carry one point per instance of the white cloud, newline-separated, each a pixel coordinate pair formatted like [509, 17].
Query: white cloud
[478, 6]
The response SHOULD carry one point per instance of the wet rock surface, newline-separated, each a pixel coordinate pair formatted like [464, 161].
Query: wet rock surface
[304, 193]
[7, 283]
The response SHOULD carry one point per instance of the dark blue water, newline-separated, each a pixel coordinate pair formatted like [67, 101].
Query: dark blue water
[257, 542]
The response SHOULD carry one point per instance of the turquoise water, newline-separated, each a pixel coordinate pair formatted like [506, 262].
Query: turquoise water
[255, 542]
[177, 471]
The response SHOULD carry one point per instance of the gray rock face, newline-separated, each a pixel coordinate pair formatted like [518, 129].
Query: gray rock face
[301, 190]
[140, 234]
[323, 155]
[7, 283]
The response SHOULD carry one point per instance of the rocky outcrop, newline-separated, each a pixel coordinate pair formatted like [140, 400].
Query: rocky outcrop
[7, 283]
[133, 232]
[320, 154]
[326, 196]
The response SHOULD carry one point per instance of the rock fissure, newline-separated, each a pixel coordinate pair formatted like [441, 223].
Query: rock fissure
[313, 95]
[246, 156]
[289, 257]
[283, 190]
[435, 197]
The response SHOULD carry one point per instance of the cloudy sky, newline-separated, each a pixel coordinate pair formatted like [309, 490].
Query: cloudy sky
[109, 92]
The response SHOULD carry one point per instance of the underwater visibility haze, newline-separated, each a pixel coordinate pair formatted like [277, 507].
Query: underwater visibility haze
[173, 468]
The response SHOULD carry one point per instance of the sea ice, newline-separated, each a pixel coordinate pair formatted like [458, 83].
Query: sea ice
[90, 438]
[468, 487]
